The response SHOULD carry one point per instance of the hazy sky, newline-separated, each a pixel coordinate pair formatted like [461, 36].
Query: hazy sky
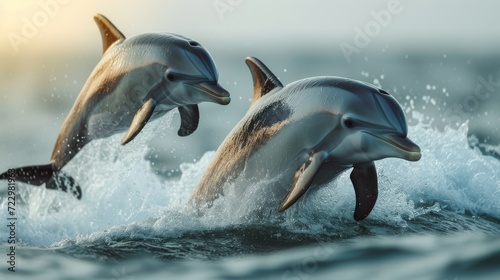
[50, 25]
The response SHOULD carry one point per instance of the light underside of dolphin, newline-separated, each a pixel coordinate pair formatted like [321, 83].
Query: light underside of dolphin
[138, 79]
[278, 118]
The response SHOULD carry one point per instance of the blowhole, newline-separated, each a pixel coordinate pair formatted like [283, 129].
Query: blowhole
[383, 92]
[194, 43]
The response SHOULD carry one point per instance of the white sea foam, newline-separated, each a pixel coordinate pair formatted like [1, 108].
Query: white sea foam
[122, 195]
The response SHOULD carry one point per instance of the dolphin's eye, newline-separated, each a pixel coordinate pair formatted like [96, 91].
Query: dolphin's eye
[193, 43]
[170, 76]
[348, 123]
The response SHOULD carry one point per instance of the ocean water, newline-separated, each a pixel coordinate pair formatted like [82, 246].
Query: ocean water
[438, 218]
[433, 220]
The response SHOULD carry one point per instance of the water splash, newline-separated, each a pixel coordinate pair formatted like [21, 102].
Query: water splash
[123, 197]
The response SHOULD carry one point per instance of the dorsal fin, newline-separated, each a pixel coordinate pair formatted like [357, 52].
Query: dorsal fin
[264, 80]
[109, 32]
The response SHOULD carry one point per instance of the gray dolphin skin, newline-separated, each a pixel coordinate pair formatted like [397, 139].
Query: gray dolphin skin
[138, 79]
[306, 134]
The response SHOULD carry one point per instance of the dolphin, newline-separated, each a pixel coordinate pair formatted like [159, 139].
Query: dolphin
[137, 79]
[306, 134]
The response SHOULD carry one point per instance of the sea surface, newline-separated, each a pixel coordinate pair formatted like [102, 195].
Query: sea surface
[438, 218]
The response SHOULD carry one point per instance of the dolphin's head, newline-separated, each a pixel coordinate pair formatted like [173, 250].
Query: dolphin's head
[373, 126]
[191, 72]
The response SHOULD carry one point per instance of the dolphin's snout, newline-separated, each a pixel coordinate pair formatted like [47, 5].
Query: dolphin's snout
[216, 91]
[409, 150]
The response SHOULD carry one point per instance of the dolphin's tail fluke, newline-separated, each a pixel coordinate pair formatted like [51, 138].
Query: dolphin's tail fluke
[38, 174]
